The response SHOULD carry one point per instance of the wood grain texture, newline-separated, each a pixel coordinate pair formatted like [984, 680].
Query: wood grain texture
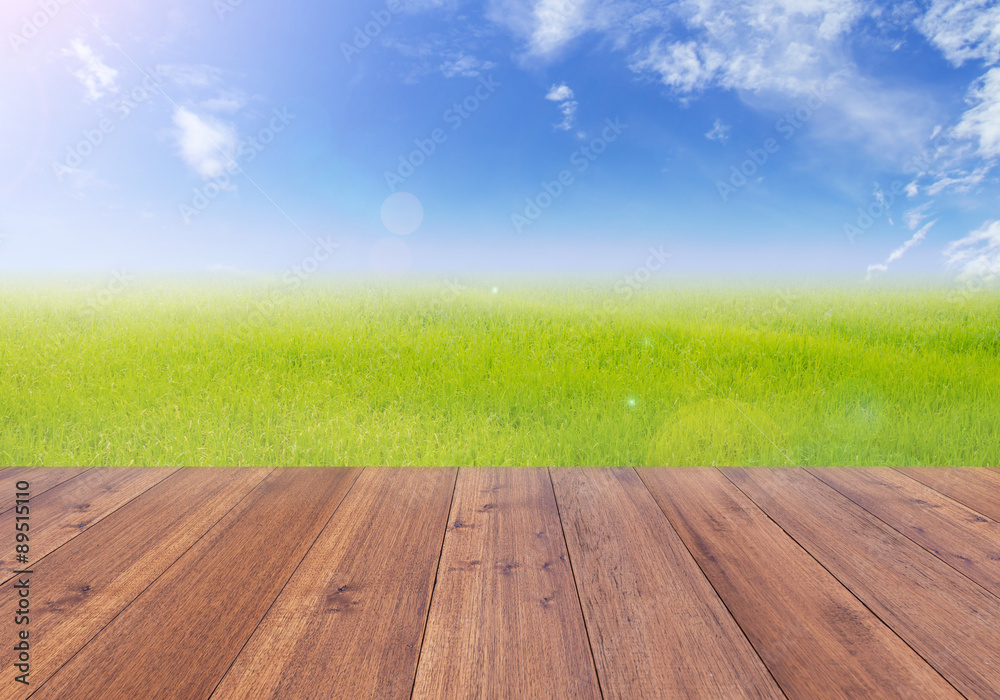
[657, 628]
[41, 480]
[64, 511]
[178, 638]
[80, 587]
[505, 620]
[965, 539]
[975, 487]
[940, 613]
[816, 638]
[349, 622]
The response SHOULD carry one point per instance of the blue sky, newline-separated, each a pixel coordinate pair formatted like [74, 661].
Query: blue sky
[566, 135]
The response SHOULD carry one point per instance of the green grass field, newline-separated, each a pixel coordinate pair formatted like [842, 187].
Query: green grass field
[532, 374]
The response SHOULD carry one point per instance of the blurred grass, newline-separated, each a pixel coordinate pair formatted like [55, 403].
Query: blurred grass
[247, 373]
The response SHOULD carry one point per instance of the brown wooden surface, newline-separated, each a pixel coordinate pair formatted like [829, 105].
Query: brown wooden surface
[41, 480]
[930, 605]
[657, 627]
[178, 638]
[349, 623]
[67, 509]
[533, 583]
[505, 620]
[975, 487]
[816, 638]
[84, 584]
[965, 539]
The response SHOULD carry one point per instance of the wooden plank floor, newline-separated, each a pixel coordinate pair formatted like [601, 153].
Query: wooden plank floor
[503, 583]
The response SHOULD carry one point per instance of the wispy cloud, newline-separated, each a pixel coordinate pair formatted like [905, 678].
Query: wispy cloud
[978, 254]
[718, 132]
[916, 216]
[556, 23]
[960, 181]
[206, 144]
[981, 123]
[755, 45]
[464, 65]
[963, 30]
[899, 252]
[96, 76]
[567, 105]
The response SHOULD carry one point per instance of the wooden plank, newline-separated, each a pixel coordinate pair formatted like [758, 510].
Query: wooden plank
[64, 511]
[945, 617]
[178, 638]
[657, 628]
[80, 587]
[40, 478]
[506, 619]
[965, 539]
[816, 638]
[975, 487]
[349, 622]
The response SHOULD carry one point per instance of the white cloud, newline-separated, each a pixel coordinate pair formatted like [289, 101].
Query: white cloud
[781, 45]
[895, 255]
[464, 65]
[914, 217]
[978, 254]
[685, 67]
[963, 30]
[548, 26]
[564, 95]
[982, 122]
[556, 23]
[206, 144]
[719, 131]
[97, 77]
[962, 182]
[569, 116]
[915, 239]
[559, 93]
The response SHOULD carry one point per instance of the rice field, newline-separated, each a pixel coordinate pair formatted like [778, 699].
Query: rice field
[499, 372]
